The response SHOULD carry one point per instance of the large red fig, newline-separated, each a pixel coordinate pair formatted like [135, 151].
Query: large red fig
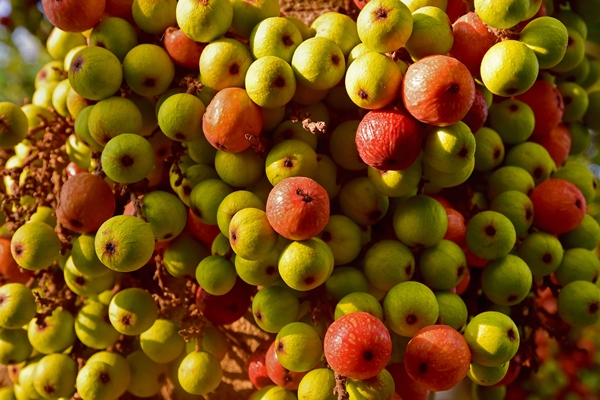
[389, 139]
[438, 90]
[74, 15]
[298, 208]
[86, 201]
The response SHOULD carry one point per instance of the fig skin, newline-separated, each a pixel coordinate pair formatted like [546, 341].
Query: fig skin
[86, 201]
[389, 139]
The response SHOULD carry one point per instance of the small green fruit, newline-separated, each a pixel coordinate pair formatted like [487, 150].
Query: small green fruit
[124, 243]
[127, 158]
[162, 342]
[509, 68]
[453, 310]
[216, 275]
[420, 221]
[579, 303]
[507, 280]
[92, 328]
[487, 376]
[274, 307]
[493, 338]
[298, 347]
[408, 307]
[17, 305]
[490, 235]
[306, 264]
[55, 376]
[148, 69]
[95, 73]
[132, 311]
[35, 246]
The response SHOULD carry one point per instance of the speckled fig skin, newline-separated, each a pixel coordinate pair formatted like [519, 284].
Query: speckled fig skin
[558, 205]
[450, 90]
[74, 15]
[389, 139]
[86, 201]
[13, 125]
[358, 345]
[232, 121]
[298, 208]
[124, 243]
[437, 357]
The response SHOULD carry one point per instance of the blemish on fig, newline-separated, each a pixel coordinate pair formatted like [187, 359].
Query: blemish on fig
[258, 315]
[547, 258]
[149, 82]
[280, 346]
[368, 355]
[490, 230]
[110, 248]
[380, 13]
[126, 320]
[408, 269]
[287, 163]
[179, 136]
[423, 368]
[287, 40]
[77, 64]
[528, 214]
[279, 82]
[126, 161]
[593, 308]
[463, 152]
[411, 319]
[511, 91]
[104, 377]
[578, 203]
[18, 249]
[76, 223]
[511, 334]
[48, 388]
[363, 94]
[168, 236]
[375, 215]
[233, 235]
[309, 280]
[234, 69]
[335, 60]
[513, 107]
[497, 153]
[80, 281]
[512, 298]
[305, 197]
[453, 88]
[2, 298]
